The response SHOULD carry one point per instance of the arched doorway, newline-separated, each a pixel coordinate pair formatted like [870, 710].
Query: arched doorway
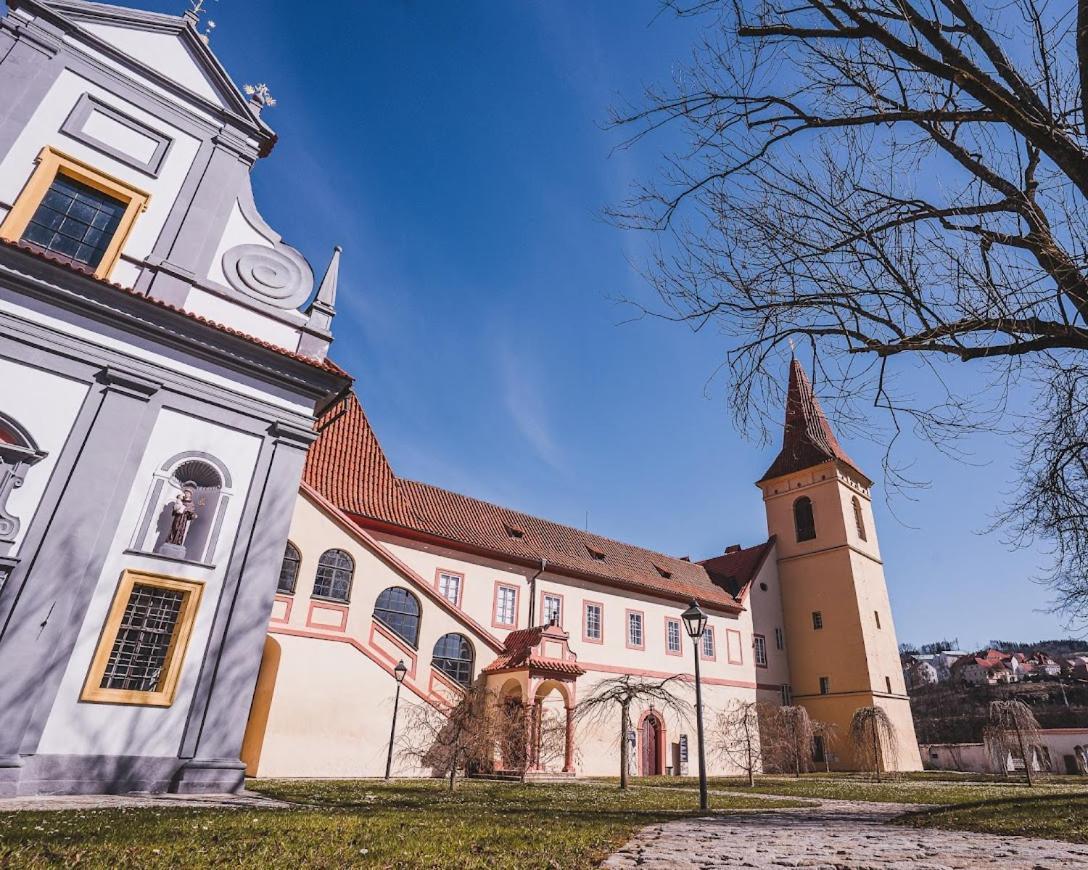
[651, 735]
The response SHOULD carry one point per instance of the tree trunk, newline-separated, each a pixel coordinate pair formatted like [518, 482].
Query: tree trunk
[876, 750]
[751, 762]
[623, 745]
[1024, 755]
[453, 770]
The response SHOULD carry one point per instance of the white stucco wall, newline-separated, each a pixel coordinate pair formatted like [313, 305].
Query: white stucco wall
[76, 727]
[48, 422]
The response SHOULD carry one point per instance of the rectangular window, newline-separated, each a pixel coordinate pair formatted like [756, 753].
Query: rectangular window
[825, 685]
[449, 587]
[708, 644]
[817, 620]
[787, 696]
[876, 616]
[672, 636]
[593, 629]
[143, 644]
[553, 609]
[506, 603]
[759, 646]
[779, 639]
[75, 212]
[634, 630]
[888, 681]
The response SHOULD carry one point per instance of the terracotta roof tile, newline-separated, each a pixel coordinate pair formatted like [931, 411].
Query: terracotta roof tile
[735, 570]
[326, 364]
[807, 439]
[518, 652]
[348, 466]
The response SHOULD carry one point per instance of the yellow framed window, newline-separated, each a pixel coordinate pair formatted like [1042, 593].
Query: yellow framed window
[71, 210]
[139, 655]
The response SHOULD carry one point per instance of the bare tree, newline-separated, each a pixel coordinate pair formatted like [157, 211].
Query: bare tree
[786, 737]
[625, 692]
[1013, 727]
[872, 736]
[736, 735]
[890, 180]
[461, 737]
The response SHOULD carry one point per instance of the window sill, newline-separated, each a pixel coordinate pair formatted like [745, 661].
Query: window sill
[326, 598]
[152, 555]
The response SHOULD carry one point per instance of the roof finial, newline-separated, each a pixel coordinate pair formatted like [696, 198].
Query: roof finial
[259, 97]
[195, 10]
[793, 347]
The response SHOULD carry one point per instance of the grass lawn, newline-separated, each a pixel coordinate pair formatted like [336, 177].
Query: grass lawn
[913, 788]
[1049, 816]
[351, 823]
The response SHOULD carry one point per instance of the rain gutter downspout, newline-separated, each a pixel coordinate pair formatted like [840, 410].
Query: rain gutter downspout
[532, 591]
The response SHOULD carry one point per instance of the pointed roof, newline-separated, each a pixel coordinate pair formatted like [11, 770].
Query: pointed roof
[807, 439]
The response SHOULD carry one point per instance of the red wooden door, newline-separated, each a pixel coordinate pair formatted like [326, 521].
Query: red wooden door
[649, 747]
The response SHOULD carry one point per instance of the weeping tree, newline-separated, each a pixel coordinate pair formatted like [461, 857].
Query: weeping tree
[735, 735]
[905, 186]
[828, 734]
[1013, 728]
[625, 692]
[872, 736]
[786, 737]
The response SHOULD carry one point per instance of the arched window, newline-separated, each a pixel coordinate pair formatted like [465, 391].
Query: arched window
[859, 518]
[289, 570]
[333, 580]
[18, 451]
[398, 610]
[453, 656]
[803, 521]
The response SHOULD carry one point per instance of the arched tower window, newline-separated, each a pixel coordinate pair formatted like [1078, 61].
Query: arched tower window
[454, 657]
[803, 521]
[859, 518]
[18, 451]
[334, 572]
[398, 610]
[185, 509]
[289, 570]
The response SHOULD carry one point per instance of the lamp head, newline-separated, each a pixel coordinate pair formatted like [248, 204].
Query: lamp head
[694, 621]
[400, 670]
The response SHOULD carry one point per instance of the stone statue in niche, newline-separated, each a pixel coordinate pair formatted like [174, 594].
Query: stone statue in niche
[182, 514]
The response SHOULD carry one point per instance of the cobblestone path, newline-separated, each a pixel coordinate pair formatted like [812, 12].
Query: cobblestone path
[835, 836]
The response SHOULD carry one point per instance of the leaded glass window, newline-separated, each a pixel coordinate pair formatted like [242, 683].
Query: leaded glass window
[398, 610]
[333, 580]
[453, 656]
[75, 221]
[289, 570]
[143, 640]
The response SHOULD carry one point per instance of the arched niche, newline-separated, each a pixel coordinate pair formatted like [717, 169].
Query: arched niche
[18, 452]
[208, 483]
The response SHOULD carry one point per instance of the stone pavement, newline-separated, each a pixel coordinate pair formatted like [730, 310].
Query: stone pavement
[246, 800]
[836, 835]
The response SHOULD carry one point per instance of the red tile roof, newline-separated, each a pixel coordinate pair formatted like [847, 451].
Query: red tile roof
[325, 364]
[521, 647]
[734, 571]
[807, 439]
[348, 466]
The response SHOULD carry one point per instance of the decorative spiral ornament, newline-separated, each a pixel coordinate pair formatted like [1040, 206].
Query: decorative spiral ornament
[271, 275]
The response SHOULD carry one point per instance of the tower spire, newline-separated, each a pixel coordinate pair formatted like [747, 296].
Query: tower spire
[807, 439]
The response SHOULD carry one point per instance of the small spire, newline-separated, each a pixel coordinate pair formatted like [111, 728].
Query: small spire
[259, 97]
[326, 293]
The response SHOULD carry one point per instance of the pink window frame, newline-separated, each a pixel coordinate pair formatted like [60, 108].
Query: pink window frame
[585, 621]
[679, 634]
[755, 658]
[729, 648]
[500, 584]
[562, 606]
[438, 572]
[713, 643]
[627, 629]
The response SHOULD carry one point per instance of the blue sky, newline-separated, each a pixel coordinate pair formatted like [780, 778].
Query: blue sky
[457, 152]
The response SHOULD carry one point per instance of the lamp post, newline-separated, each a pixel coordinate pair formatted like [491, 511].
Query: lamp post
[399, 671]
[695, 624]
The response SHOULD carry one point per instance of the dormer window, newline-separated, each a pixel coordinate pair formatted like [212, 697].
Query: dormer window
[595, 555]
[73, 211]
[512, 532]
[666, 574]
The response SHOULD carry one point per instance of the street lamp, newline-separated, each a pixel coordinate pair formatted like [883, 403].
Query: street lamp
[695, 624]
[399, 671]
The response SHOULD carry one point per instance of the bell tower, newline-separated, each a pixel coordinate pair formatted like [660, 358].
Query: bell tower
[840, 637]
